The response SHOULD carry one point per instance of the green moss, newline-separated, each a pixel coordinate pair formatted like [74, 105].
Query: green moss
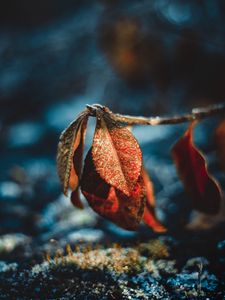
[154, 249]
[114, 259]
[124, 260]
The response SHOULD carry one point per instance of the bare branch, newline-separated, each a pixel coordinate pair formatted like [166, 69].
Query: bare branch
[196, 114]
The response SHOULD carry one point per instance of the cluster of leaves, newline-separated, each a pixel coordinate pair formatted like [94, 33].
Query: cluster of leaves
[114, 180]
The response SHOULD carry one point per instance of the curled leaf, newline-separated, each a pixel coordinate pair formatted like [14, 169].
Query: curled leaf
[191, 165]
[70, 151]
[75, 199]
[149, 213]
[116, 154]
[107, 201]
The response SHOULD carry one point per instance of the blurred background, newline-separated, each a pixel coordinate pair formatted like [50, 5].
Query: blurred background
[136, 57]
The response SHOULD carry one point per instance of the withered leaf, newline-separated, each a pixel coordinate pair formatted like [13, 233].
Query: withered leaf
[192, 168]
[220, 141]
[149, 213]
[75, 199]
[70, 150]
[116, 154]
[107, 201]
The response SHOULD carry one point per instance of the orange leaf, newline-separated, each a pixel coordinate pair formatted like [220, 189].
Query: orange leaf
[70, 150]
[191, 165]
[116, 154]
[107, 201]
[149, 213]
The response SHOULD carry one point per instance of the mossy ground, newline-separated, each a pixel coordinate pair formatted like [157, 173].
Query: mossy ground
[146, 270]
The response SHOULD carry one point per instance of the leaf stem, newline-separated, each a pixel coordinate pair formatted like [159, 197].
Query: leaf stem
[196, 114]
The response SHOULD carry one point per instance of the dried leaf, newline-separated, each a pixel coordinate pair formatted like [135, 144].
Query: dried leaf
[116, 154]
[70, 150]
[149, 213]
[107, 201]
[192, 167]
[75, 199]
[220, 141]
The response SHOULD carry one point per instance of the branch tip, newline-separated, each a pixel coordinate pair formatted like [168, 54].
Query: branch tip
[196, 114]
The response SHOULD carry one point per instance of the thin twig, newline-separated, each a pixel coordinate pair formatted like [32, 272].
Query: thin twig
[196, 114]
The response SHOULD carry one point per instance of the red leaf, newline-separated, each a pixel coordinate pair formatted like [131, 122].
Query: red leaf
[220, 141]
[107, 201]
[193, 171]
[75, 199]
[149, 213]
[116, 154]
[70, 151]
